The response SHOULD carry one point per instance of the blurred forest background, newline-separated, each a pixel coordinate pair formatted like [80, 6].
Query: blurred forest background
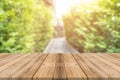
[94, 27]
[27, 26]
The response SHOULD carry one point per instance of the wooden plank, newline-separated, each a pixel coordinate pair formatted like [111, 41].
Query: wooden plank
[46, 71]
[73, 70]
[60, 72]
[89, 69]
[106, 71]
[10, 63]
[115, 55]
[28, 71]
[60, 66]
[13, 69]
[110, 58]
[9, 58]
[114, 66]
[4, 56]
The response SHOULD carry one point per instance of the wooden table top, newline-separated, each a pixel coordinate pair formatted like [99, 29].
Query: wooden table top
[60, 66]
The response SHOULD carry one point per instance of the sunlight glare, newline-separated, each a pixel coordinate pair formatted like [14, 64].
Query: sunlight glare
[63, 6]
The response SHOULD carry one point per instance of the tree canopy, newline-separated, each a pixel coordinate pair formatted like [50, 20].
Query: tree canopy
[25, 25]
[94, 27]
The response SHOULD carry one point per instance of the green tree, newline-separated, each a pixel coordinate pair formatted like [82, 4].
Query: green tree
[94, 27]
[19, 22]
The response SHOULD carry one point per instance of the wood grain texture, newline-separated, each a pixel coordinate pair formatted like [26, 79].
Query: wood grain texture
[60, 66]
[103, 68]
[89, 69]
[60, 71]
[11, 63]
[73, 70]
[46, 71]
[109, 63]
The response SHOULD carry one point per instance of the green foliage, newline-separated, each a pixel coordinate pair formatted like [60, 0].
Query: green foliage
[92, 28]
[25, 25]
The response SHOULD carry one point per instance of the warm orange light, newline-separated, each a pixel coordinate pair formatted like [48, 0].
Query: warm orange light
[63, 6]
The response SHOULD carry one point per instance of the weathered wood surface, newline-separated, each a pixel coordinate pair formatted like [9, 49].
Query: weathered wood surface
[59, 45]
[60, 66]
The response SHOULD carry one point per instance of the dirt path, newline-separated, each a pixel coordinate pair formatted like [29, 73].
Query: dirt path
[59, 45]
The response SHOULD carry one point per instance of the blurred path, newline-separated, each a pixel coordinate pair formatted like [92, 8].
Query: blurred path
[59, 45]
